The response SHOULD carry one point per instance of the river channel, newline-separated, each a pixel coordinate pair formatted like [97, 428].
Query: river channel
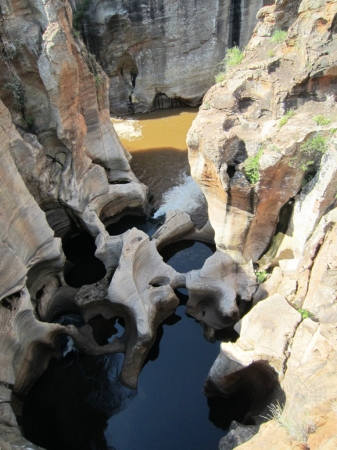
[79, 403]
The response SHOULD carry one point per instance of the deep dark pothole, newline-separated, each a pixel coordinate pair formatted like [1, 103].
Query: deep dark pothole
[82, 266]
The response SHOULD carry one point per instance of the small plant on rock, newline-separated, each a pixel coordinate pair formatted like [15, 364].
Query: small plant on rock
[284, 119]
[17, 90]
[298, 430]
[219, 77]
[270, 53]
[28, 121]
[261, 275]
[98, 80]
[305, 314]
[76, 34]
[321, 120]
[233, 57]
[305, 166]
[278, 36]
[315, 144]
[251, 167]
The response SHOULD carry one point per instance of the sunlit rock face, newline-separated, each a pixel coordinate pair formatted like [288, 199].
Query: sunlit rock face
[160, 54]
[277, 111]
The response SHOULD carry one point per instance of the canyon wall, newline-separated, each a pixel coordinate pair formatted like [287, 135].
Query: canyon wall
[61, 165]
[162, 53]
[263, 150]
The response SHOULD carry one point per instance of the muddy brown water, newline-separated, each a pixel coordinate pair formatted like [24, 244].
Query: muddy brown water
[157, 143]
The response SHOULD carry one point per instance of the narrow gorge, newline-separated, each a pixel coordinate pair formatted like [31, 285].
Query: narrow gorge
[96, 266]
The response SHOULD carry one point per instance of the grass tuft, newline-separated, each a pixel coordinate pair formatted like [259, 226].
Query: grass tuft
[278, 36]
[298, 430]
[284, 119]
[219, 77]
[251, 167]
[321, 120]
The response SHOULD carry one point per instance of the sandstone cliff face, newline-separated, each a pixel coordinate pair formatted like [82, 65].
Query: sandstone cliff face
[263, 149]
[162, 53]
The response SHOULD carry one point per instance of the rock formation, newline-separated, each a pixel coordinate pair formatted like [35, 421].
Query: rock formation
[160, 54]
[263, 150]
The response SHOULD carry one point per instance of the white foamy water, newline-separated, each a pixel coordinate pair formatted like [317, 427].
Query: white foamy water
[71, 347]
[187, 197]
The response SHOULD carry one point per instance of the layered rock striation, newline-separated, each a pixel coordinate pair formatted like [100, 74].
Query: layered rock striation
[160, 54]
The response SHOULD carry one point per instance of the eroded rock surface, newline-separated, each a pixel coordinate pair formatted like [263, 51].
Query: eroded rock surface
[141, 292]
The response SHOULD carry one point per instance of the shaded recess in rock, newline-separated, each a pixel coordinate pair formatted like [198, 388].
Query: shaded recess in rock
[163, 101]
[11, 302]
[82, 267]
[90, 385]
[281, 228]
[222, 411]
[257, 384]
[105, 329]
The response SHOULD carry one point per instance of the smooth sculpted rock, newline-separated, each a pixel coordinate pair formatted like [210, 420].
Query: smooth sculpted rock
[219, 290]
[141, 292]
[163, 54]
[179, 226]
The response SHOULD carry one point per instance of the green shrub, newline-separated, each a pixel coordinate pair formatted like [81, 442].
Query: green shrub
[315, 144]
[261, 275]
[320, 120]
[305, 166]
[251, 167]
[76, 34]
[305, 313]
[270, 53]
[278, 36]
[17, 91]
[284, 119]
[233, 57]
[28, 121]
[219, 77]
[98, 80]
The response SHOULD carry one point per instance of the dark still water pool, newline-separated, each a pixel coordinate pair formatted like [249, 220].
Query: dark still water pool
[79, 404]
